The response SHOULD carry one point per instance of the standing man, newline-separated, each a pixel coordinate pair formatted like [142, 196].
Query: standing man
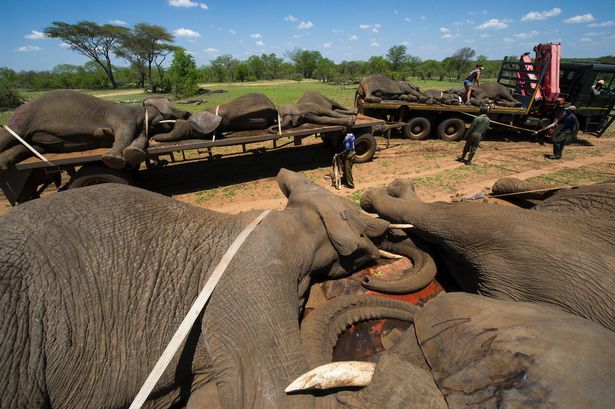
[474, 76]
[567, 129]
[474, 135]
[598, 88]
[347, 157]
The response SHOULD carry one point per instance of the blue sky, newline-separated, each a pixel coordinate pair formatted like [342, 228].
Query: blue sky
[340, 30]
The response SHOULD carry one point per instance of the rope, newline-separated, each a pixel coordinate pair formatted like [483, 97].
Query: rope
[532, 191]
[27, 145]
[500, 123]
[191, 317]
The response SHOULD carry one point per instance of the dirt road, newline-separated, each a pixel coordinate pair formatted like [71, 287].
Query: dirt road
[247, 181]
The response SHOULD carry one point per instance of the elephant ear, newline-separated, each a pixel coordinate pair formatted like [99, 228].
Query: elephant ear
[163, 106]
[205, 122]
[346, 227]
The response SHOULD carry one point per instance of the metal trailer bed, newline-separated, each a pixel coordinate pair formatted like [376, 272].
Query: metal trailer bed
[30, 177]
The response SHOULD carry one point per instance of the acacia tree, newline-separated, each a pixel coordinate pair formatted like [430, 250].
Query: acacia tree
[460, 60]
[397, 56]
[91, 40]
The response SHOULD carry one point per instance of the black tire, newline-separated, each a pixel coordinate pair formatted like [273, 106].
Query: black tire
[451, 129]
[365, 147]
[96, 174]
[417, 129]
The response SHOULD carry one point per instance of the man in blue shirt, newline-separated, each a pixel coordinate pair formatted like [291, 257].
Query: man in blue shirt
[566, 131]
[348, 156]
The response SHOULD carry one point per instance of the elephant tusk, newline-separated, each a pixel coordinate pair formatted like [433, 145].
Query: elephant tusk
[168, 121]
[335, 375]
[400, 226]
[386, 254]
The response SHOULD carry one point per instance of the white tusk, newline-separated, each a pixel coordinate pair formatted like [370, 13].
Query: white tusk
[386, 254]
[400, 226]
[168, 121]
[335, 375]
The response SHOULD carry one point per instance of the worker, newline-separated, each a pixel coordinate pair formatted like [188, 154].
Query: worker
[473, 77]
[598, 88]
[474, 135]
[567, 127]
[347, 157]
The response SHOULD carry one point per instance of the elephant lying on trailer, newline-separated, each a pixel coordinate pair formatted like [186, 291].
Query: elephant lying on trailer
[464, 350]
[444, 97]
[248, 112]
[68, 121]
[314, 108]
[96, 280]
[495, 92]
[378, 87]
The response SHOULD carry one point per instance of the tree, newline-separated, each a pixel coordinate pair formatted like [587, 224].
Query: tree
[273, 66]
[397, 57]
[91, 40]
[325, 69]
[226, 64]
[305, 61]
[377, 65]
[460, 60]
[256, 67]
[430, 69]
[183, 75]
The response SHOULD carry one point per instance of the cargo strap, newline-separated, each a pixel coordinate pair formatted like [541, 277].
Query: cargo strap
[27, 145]
[193, 314]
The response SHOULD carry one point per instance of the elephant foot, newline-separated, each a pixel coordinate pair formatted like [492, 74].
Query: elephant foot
[114, 161]
[134, 156]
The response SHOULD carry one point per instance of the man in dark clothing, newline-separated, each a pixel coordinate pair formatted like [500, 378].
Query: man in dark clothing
[347, 157]
[567, 129]
[474, 135]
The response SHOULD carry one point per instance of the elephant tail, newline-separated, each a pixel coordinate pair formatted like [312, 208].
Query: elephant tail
[322, 327]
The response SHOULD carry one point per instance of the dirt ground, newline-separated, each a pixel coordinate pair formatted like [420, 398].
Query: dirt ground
[241, 182]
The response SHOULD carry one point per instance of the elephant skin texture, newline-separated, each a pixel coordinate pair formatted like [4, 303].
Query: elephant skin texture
[68, 121]
[314, 108]
[560, 252]
[377, 88]
[94, 282]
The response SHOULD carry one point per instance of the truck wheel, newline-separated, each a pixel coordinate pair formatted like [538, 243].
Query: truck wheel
[417, 128]
[451, 129]
[96, 174]
[365, 147]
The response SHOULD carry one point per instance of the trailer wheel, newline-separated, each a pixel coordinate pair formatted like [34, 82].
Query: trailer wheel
[417, 128]
[451, 129]
[365, 147]
[96, 174]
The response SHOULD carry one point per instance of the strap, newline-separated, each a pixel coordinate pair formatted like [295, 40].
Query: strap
[192, 315]
[27, 145]
[279, 124]
[146, 124]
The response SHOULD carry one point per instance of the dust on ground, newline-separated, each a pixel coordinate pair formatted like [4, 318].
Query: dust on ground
[234, 181]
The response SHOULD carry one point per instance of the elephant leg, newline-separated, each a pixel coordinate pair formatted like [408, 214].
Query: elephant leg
[336, 114]
[327, 120]
[346, 111]
[14, 155]
[135, 153]
[6, 140]
[114, 158]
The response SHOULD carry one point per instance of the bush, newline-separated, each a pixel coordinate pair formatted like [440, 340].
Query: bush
[183, 75]
[296, 77]
[9, 98]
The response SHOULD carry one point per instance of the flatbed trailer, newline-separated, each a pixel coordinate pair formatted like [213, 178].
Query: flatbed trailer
[30, 177]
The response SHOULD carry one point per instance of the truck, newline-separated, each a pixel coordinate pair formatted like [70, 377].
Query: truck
[30, 177]
[540, 84]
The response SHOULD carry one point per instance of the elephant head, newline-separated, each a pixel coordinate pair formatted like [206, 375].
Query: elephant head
[559, 252]
[159, 109]
[290, 116]
[198, 125]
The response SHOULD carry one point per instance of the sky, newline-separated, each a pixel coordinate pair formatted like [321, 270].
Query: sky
[340, 30]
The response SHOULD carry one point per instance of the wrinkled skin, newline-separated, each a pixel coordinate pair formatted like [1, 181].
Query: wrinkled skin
[496, 92]
[522, 193]
[248, 112]
[378, 87]
[314, 108]
[559, 252]
[444, 97]
[68, 121]
[91, 296]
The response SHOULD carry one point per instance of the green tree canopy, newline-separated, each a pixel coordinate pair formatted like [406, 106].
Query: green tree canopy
[397, 56]
[183, 74]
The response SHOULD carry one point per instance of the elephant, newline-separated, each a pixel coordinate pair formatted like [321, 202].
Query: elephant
[96, 280]
[314, 108]
[522, 193]
[68, 121]
[474, 100]
[496, 92]
[559, 252]
[378, 87]
[463, 350]
[248, 112]
[444, 97]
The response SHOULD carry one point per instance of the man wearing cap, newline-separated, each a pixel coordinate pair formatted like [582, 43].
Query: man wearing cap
[598, 88]
[567, 129]
[474, 135]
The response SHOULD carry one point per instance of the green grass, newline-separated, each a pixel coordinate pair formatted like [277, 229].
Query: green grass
[574, 177]
[355, 197]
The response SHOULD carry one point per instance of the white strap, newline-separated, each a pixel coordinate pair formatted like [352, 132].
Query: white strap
[146, 124]
[279, 125]
[195, 310]
[27, 145]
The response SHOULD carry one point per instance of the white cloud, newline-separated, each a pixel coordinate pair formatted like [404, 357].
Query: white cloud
[423, 18]
[256, 35]
[444, 30]
[183, 3]
[186, 33]
[461, 23]
[36, 35]
[203, 6]
[327, 45]
[408, 19]
[64, 45]
[211, 50]
[524, 36]
[405, 43]
[375, 30]
[305, 25]
[364, 26]
[353, 38]
[28, 49]
[291, 18]
[233, 32]
[493, 23]
[449, 36]
[336, 30]
[374, 44]
[118, 22]
[585, 18]
[585, 40]
[603, 24]
[595, 33]
[485, 35]
[541, 15]
[510, 40]
[260, 43]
